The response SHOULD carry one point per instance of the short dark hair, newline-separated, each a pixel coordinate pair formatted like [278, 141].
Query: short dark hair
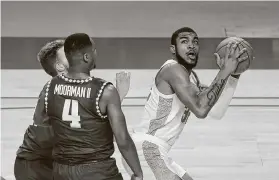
[75, 43]
[47, 56]
[177, 32]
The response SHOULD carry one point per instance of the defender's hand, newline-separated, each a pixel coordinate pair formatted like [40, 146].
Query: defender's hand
[123, 83]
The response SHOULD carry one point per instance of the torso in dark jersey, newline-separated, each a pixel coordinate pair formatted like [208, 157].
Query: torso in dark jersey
[37, 141]
[81, 133]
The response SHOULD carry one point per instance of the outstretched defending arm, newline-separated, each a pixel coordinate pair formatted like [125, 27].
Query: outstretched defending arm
[118, 124]
[123, 84]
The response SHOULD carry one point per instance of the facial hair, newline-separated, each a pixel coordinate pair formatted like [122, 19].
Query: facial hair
[183, 62]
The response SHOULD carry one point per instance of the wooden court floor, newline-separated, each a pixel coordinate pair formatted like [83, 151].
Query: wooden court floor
[244, 145]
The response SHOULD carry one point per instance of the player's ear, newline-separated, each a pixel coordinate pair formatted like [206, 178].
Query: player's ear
[94, 57]
[172, 49]
[59, 67]
[86, 57]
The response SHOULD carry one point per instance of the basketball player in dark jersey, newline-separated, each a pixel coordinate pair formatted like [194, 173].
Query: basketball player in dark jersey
[85, 113]
[34, 160]
[34, 156]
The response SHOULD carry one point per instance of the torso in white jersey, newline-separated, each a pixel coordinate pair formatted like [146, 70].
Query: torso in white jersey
[164, 115]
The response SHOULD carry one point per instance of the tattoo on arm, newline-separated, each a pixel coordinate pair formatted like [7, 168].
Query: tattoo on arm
[214, 93]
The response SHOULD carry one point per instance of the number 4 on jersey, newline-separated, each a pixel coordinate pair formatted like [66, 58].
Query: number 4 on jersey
[73, 117]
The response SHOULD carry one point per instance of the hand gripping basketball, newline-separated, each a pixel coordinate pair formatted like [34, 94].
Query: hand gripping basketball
[232, 57]
[244, 62]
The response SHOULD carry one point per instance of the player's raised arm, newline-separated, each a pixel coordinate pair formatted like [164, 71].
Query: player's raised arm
[123, 84]
[219, 109]
[221, 106]
[200, 104]
[120, 131]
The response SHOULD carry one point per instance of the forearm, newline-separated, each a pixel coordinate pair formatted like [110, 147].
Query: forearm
[221, 106]
[129, 153]
[210, 95]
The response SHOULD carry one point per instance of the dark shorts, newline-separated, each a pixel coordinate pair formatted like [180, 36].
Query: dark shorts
[103, 170]
[33, 170]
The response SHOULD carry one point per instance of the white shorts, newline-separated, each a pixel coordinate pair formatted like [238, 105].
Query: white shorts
[154, 160]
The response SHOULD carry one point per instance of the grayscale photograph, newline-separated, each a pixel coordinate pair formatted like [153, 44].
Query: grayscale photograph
[139, 90]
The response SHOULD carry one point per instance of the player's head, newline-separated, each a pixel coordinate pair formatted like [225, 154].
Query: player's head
[80, 51]
[185, 47]
[52, 58]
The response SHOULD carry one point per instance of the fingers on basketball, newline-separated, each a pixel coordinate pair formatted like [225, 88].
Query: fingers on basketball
[241, 52]
[234, 46]
[228, 49]
[243, 58]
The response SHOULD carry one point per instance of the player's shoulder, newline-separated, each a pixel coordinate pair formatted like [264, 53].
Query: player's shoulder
[174, 70]
[110, 90]
[54, 79]
[99, 80]
[110, 95]
[45, 87]
[101, 83]
[107, 87]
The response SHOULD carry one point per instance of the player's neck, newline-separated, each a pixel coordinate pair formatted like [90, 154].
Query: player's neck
[183, 65]
[78, 73]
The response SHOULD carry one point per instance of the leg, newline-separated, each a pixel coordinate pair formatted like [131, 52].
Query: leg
[156, 162]
[33, 170]
[20, 169]
[105, 170]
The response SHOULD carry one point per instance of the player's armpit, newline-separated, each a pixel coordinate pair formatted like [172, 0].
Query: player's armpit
[199, 103]
[118, 124]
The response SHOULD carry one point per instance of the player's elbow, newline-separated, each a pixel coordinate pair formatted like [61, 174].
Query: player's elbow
[216, 116]
[123, 141]
[201, 113]
[198, 109]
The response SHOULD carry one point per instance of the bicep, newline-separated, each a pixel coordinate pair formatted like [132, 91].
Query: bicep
[186, 91]
[115, 114]
[187, 94]
[116, 118]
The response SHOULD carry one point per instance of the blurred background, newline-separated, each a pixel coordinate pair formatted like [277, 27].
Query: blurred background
[135, 36]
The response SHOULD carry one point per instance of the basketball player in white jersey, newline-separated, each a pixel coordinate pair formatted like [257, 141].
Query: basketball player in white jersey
[175, 94]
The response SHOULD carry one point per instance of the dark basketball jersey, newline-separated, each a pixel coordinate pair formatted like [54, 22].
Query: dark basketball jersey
[82, 134]
[37, 141]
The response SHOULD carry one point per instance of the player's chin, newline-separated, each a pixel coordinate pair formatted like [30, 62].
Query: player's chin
[191, 61]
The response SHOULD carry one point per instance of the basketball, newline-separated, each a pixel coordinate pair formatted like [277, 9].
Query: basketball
[244, 65]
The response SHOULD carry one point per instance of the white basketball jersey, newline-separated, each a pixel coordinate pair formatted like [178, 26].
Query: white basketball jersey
[164, 115]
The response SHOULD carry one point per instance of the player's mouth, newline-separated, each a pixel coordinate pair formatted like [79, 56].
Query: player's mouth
[192, 55]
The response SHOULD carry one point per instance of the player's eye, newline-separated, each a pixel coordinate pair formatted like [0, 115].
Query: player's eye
[196, 42]
[184, 41]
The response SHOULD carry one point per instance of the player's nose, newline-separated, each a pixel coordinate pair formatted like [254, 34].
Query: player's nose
[191, 45]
